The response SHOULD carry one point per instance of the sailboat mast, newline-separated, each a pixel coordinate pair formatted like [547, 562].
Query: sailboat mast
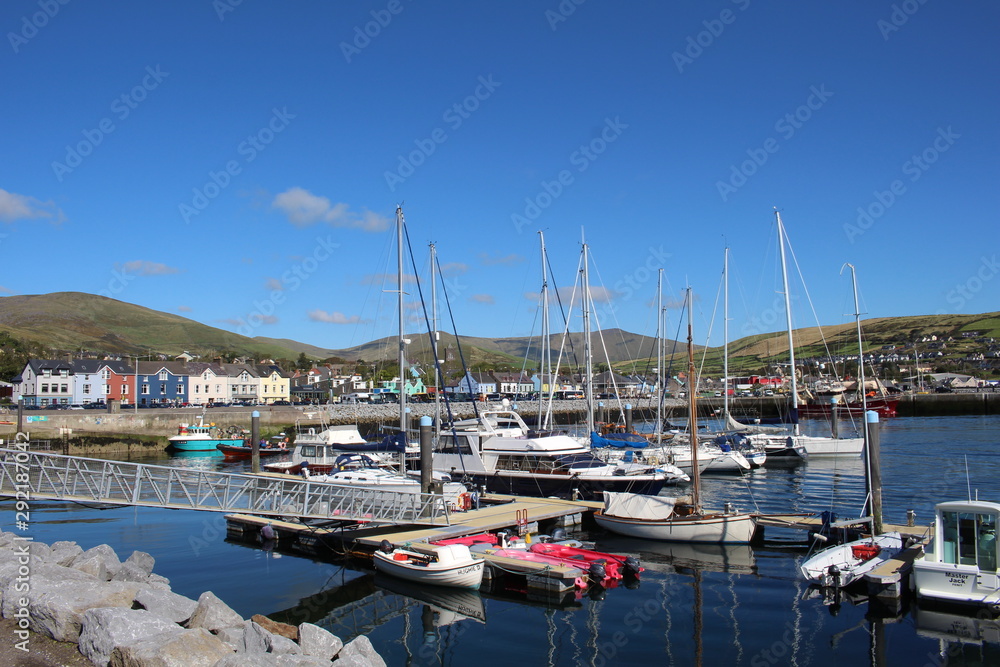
[725, 336]
[693, 410]
[659, 355]
[545, 358]
[437, 341]
[874, 500]
[588, 361]
[402, 340]
[794, 416]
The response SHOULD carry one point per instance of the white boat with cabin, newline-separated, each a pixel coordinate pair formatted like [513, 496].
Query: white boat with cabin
[960, 564]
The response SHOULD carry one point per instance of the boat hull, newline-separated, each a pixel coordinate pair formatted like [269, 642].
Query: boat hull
[234, 452]
[885, 407]
[563, 486]
[200, 445]
[464, 574]
[710, 528]
[850, 565]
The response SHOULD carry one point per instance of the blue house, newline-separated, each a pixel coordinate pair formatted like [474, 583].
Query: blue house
[162, 382]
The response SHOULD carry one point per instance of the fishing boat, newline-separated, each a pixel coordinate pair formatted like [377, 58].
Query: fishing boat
[959, 566]
[245, 451]
[660, 518]
[321, 451]
[202, 437]
[450, 565]
[841, 565]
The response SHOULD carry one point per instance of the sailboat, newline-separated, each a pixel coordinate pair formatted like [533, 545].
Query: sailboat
[841, 565]
[776, 441]
[660, 518]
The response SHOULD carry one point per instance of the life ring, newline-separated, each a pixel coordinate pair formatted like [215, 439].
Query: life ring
[652, 460]
[464, 502]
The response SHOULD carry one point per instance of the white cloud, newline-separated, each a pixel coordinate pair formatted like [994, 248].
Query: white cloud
[21, 207]
[141, 267]
[274, 284]
[387, 279]
[335, 317]
[454, 268]
[183, 309]
[482, 298]
[303, 208]
[506, 259]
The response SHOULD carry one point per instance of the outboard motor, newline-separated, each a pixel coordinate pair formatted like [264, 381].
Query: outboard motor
[597, 571]
[558, 534]
[632, 566]
[385, 546]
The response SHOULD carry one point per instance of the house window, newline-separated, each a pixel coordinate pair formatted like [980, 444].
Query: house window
[197, 389]
[124, 389]
[145, 390]
[47, 372]
[65, 388]
[64, 373]
[163, 375]
[107, 390]
[163, 389]
[45, 388]
[105, 374]
[180, 389]
[218, 388]
[86, 389]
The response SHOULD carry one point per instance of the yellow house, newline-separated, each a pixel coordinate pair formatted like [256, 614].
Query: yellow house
[274, 384]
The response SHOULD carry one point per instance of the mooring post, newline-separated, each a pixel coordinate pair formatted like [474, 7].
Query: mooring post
[834, 418]
[20, 414]
[628, 417]
[874, 469]
[426, 424]
[255, 441]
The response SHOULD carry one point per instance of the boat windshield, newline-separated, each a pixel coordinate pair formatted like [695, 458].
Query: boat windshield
[580, 461]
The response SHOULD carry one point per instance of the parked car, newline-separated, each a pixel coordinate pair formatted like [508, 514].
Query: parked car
[282, 403]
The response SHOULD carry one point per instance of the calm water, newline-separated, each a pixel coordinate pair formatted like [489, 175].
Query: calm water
[711, 606]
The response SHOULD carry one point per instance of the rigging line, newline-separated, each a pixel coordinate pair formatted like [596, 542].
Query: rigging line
[433, 345]
[614, 314]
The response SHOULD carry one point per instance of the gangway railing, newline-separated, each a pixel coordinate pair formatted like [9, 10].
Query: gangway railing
[39, 475]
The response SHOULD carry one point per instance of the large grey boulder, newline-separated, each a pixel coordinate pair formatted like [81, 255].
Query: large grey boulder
[319, 642]
[103, 630]
[130, 572]
[142, 560]
[64, 553]
[167, 604]
[286, 660]
[279, 645]
[359, 652]
[189, 648]
[101, 561]
[40, 552]
[249, 660]
[57, 608]
[255, 639]
[13, 581]
[6, 539]
[233, 638]
[213, 614]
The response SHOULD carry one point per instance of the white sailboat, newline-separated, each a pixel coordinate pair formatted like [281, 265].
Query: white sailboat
[668, 519]
[778, 442]
[841, 565]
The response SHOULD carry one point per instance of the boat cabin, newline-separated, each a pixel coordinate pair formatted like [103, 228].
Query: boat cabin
[960, 564]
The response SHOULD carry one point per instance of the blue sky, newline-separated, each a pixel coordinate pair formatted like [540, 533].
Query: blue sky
[239, 163]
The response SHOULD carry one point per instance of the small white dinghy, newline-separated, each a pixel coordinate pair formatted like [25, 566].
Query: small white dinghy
[449, 565]
[839, 566]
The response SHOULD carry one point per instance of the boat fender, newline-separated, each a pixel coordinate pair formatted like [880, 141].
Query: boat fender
[632, 565]
[267, 532]
[597, 571]
[385, 546]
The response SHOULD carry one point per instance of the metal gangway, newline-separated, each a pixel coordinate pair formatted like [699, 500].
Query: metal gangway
[38, 475]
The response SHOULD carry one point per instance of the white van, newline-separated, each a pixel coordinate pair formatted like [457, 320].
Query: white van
[358, 397]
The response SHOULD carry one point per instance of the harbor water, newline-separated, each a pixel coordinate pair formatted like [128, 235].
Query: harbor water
[706, 605]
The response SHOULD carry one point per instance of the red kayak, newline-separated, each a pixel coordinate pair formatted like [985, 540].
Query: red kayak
[615, 565]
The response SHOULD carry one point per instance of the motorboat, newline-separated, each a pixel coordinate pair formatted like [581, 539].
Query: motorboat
[321, 448]
[497, 451]
[960, 564]
[449, 565]
[841, 565]
[202, 437]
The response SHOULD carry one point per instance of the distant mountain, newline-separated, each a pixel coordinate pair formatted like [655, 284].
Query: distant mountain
[73, 321]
